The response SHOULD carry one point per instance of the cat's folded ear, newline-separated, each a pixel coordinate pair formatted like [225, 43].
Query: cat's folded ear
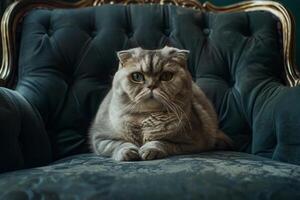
[179, 55]
[126, 55]
[182, 55]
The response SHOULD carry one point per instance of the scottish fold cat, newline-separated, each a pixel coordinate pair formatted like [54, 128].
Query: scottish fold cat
[154, 110]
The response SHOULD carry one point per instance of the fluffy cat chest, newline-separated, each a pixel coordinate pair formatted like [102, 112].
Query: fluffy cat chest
[154, 126]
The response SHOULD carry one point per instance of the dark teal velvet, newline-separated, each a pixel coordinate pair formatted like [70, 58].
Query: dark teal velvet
[67, 60]
[206, 176]
[23, 140]
[291, 5]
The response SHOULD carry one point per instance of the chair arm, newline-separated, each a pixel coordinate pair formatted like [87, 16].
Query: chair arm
[23, 139]
[276, 124]
[287, 126]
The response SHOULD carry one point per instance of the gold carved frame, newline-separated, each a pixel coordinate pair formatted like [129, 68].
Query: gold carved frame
[15, 12]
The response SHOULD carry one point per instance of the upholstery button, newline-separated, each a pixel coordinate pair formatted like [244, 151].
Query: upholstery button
[93, 33]
[231, 83]
[247, 32]
[49, 32]
[206, 31]
[130, 34]
[167, 32]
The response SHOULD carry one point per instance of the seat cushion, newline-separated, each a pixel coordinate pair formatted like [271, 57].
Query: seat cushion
[211, 175]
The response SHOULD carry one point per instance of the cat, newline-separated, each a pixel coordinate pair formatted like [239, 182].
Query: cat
[155, 110]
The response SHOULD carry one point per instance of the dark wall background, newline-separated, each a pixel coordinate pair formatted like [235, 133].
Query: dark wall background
[292, 5]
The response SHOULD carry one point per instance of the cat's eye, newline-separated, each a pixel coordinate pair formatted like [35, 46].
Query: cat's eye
[137, 77]
[166, 76]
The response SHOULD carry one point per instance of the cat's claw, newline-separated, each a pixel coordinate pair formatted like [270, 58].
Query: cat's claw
[127, 154]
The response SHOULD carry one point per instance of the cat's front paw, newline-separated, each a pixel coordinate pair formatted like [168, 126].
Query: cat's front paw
[127, 154]
[151, 151]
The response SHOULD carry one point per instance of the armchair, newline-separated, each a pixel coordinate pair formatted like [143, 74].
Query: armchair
[58, 63]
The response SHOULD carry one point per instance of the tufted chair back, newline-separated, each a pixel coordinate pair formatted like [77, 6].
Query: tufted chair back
[67, 58]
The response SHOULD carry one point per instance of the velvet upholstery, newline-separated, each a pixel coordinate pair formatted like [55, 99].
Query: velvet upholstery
[67, 58]
[205, 176]
[24, 141]
[291, 5]
[235, 58]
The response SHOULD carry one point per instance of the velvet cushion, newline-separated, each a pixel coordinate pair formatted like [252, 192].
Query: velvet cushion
[23, 139]
[213, 175]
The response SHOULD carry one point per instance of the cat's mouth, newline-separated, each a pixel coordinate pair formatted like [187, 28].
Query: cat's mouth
[150, 103]
[150, 96]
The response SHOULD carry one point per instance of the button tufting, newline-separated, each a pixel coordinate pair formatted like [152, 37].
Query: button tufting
[93, 33]
[231, 83]
[49, 32]
[206, 31]
[247, 31]
[247, 34]
[167, 32]
[130, 34]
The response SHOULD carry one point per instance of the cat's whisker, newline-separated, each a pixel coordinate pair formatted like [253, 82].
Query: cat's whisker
[172, 108]
[164, 95]
[179, 102]
[178, 111]
[185, 116]
[141, 95]
[179, 114]
[131, 107]
[128, 106]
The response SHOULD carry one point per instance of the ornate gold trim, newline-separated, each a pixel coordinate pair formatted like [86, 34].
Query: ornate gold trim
[183, 3]
[15, 12]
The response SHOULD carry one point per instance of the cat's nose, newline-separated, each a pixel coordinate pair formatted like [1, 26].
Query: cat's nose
[152, 86]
